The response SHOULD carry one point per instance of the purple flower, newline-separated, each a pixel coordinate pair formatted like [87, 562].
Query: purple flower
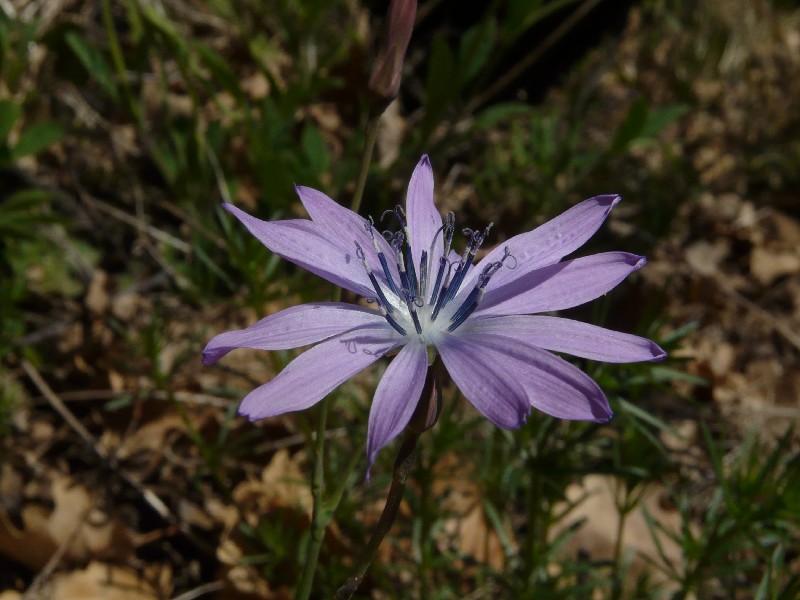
[476, 316]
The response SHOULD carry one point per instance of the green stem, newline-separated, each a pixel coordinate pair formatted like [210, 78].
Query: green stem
[369, 146]
[534, 524]
[322, 508]
[616, 579]
[425, 416]
[118, 59]
[320, 517]
[402, 467]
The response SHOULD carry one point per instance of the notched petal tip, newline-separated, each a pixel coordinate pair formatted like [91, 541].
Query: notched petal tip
[210, 357]
[659, 353]
[213, 352]
[600, 410]
[299, 189]
[637, 262]
[604, 418]
[607, 201]
[424, 160]
[249, 409]
[247, 414]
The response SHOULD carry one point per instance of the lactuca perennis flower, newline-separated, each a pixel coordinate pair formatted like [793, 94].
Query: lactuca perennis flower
[423, 295]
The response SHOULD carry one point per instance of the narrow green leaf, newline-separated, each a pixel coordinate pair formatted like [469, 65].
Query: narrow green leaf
[315, 149]
[475, 49]
[36, 138]
[94, 62]
[10, 111]
[494, 115]
[661, 117]
[632, 126]
[441, 83]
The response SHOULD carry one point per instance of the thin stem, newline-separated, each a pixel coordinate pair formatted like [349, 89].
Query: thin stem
[322, 509]
[402, 467]
[366, 159]
[320, 517]
[501, 82]
[118, 59]
[616, 579]
[425, 540]
[425, 416]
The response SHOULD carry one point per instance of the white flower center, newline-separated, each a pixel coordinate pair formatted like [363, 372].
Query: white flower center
[421, 305]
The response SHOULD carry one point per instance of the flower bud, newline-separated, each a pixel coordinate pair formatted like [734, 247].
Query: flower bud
[430, 403]
[384, 81]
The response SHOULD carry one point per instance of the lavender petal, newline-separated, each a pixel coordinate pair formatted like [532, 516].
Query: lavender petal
[318, 371]
[424, 221]
[549, 383]
[482, 377]
[343, 228]
[396, 398]
[309, 246]
[551, 241]
[560, 286]
[571, 337]
[293, 327]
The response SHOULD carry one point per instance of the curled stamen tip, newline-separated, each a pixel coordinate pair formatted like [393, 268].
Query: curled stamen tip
[397, 240]
[359, 251]
[507, 254]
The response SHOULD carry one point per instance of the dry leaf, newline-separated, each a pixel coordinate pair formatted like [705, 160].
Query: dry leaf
[767, 266]
[597, 536]
[100, 582]
[74, 522]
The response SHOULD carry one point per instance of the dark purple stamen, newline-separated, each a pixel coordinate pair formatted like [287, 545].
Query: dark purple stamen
[423, 274]
[440, 301]
[368, 225]
[475, 240]
[475, 296]
[393, 323]
[439, 275]
[381, 299]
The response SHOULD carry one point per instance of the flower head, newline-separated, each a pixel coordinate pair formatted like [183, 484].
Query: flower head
[423, 294]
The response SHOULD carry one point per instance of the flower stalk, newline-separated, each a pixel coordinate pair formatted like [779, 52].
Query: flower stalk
[425, 416]
[321, 511]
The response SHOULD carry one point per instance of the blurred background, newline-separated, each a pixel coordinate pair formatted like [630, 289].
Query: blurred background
[124, 470]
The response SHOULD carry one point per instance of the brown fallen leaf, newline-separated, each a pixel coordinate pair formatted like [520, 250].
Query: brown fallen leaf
[598, 535]
[74, 522]
[467, 530]
[99, 581]
[767, 265]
